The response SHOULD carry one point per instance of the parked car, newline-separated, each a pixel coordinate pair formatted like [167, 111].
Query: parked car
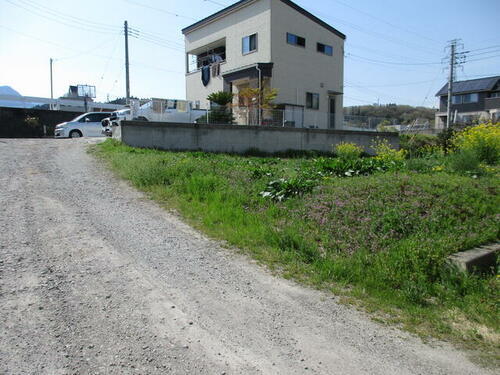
[158, 110]
[114, 120]
[86, 125]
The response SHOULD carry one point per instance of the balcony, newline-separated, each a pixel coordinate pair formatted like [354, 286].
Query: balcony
[214, 52]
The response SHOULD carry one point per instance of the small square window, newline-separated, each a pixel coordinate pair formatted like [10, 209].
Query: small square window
[324, 48]
[295, 40]
[249, 44]
[312, 100]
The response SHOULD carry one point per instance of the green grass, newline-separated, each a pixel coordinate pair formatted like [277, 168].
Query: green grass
[381, 241]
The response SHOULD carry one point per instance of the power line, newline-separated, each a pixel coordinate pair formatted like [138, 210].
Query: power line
[373, 33]
[484, 58]
[392, 85]
[160, 10]
[392, 62]
[69, 23]
[484, 53]
[350, 45]
[56, 13]
[82, 24]
[108, 57]
[482, 49]
[386, 22]
[216, 3]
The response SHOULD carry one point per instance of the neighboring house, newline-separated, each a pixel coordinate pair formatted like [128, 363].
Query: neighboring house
[269, 43]
[474, 99]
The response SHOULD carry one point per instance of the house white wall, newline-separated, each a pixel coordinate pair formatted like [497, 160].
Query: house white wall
[298, 70]
[253, 18]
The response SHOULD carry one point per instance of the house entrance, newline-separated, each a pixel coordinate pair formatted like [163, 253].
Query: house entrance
[331, 114]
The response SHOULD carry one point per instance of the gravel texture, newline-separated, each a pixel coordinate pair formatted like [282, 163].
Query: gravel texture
[97, 279]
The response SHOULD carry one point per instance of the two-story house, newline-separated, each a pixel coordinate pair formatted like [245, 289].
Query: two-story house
[274, 44]
[474, 99]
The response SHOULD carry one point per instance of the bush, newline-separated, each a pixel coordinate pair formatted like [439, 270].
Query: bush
[221, 98]
[282, 189]
[419, 145]
[465, 162]
[483, 140]
[355, 167]
[32, 121]
[445, 139]
[348, 151]
[385, 152]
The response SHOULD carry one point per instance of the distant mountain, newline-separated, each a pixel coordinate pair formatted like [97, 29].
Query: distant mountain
[7, 90]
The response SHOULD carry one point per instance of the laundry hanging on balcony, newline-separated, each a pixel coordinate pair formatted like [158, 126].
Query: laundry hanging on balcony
[205, 74]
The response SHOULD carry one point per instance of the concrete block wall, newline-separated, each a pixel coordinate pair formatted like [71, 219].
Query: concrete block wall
[239, 139]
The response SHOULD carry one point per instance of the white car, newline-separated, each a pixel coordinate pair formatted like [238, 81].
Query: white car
[114, 120]
[86, 125]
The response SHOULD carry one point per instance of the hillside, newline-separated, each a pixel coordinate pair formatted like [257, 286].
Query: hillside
[7, 90]
[401, 114]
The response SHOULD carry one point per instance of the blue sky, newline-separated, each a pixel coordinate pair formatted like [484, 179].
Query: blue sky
[386, 39]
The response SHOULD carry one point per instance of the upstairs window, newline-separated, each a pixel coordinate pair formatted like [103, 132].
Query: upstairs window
[470, 98]
[324, 48]
[249, 44]
[312, 100]
[295, 40]
[465, 98]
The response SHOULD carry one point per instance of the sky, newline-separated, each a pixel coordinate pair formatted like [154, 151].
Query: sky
[393, 52]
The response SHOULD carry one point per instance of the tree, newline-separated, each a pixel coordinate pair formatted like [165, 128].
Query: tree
[221, 112]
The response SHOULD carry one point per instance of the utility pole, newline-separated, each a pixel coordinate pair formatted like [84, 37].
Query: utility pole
[51, 84]
[456, 59]
[127, 77]
[451, 76]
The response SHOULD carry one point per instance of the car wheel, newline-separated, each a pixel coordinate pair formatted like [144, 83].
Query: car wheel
[75, 134]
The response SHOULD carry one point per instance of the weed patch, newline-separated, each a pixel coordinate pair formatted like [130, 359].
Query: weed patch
[381, 236]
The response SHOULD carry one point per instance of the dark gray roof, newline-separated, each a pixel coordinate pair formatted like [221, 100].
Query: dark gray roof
[471, 85]
[242, 2]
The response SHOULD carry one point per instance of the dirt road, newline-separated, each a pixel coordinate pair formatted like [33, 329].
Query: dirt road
[97, 279]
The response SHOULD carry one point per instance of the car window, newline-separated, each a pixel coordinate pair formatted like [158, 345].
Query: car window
[101, 116]
[92, 117]
[95, 117]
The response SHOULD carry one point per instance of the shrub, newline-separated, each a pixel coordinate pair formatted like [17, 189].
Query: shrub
[355, 167]
[385, 152]
[483, 140]
[419, 145]
[348, 151]
[221, 98]
[32, 121]
[282, 189]
[465, 162]
[445, 139]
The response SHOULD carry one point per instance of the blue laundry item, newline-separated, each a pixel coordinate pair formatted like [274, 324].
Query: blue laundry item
[205, 75]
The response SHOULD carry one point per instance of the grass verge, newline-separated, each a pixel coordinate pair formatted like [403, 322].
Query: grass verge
[379, 240]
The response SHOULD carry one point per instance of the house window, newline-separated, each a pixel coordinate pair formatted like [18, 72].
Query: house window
[465, 98]
[295, 40]
[470, 98]
[249, 44]
[495, 95]
[324, 48]
[312, 100]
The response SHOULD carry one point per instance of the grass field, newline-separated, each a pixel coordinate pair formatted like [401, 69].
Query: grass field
[380, 240]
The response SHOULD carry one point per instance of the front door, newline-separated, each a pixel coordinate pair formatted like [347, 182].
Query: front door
[331, 115]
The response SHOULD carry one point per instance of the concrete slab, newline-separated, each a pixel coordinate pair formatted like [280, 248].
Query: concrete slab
[479, 259]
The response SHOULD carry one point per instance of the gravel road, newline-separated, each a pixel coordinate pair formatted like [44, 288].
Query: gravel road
[97, 279]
